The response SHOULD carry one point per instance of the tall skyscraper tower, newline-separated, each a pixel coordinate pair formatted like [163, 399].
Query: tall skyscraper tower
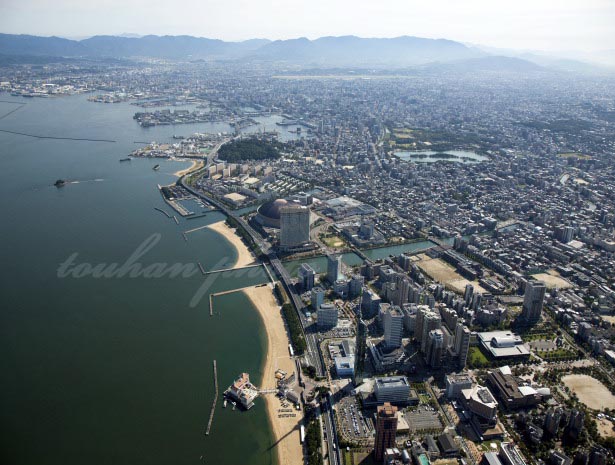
[294, 226]
[327, 316]
[533, 301]
[360, 352]
[334, 268]
[435, 348]
[552, 421]
[355, 286]
[318, 297]
[462, 343]
[575, 424]
[469, 292]
[402, 290]
[393, 322]
[386, 430]
[431, 321]
[307, 276]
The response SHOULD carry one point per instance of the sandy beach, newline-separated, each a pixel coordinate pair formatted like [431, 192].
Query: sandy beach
[285, 430]
[196, 164]
[244, 256]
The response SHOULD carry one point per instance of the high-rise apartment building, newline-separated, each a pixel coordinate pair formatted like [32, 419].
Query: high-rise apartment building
[307, 276]
[462, 343]
[294, 226]
[386, 430]
[533, 301]
[393, 322]
[334, 268]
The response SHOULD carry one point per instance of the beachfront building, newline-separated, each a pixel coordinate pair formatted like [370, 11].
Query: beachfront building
[242, 391]
[294, 226]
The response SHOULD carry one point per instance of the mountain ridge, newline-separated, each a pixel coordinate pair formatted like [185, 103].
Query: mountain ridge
[330, 49]
[327, 51]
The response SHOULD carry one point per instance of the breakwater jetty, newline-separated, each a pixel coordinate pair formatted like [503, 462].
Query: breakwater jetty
[230, 291]
[213, 405]
[36, 136]
[163, 212]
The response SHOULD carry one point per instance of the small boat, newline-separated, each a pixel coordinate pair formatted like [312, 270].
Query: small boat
[125, 159]
[224, 404]
[60, 183]
[156, 167]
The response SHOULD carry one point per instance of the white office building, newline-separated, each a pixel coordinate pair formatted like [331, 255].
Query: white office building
[393, 389]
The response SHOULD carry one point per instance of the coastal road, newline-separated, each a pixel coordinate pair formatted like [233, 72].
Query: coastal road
[329, 425]
[313, 353]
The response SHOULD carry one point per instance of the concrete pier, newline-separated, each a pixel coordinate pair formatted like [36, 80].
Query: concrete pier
[213, 405]
[233, 269]
[211, 297]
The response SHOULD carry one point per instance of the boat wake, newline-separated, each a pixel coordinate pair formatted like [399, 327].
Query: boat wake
[86, 180]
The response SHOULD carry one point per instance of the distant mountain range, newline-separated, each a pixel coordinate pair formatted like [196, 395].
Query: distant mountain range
[173, 47]
[351, 50]
[345, 51]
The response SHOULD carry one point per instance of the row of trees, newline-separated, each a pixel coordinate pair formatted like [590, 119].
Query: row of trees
[294, 327]
[312, 443]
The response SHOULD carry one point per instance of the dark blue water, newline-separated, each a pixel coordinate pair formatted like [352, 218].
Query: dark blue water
[112, 370]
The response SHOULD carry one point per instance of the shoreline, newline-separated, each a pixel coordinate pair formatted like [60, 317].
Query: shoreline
[195, 165]
[244, 256]
[286, 431]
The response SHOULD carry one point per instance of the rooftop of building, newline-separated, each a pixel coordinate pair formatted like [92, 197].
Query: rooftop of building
[458, 378]
[273, 209]
[386, 410]
[480, 394]
[503, 344]
[391, 382]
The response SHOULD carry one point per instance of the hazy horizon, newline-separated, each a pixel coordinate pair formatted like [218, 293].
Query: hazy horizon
[549, 25]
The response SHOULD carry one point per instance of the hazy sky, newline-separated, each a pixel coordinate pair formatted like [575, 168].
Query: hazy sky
[521, 24]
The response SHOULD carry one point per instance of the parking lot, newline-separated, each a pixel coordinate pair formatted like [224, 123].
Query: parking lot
[352, 422]
[424, 418]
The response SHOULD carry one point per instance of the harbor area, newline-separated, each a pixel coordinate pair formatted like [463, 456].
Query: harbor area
[183, 202]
